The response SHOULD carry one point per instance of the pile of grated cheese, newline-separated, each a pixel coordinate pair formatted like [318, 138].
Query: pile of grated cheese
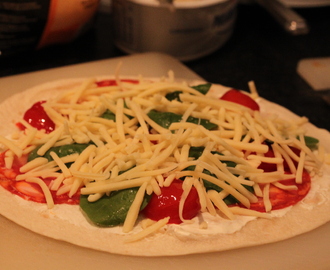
[155, 156]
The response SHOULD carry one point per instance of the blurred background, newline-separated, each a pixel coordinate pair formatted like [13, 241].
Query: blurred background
[254, 44]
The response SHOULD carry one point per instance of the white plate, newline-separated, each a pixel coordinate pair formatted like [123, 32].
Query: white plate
[23, 249]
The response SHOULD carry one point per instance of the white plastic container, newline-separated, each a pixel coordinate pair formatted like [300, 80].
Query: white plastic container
[186, 30]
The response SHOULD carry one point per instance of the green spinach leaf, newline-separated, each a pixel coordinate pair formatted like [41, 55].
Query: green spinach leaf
[109, 115]
[311, 142]
[61, 151]
[165, 119]
[111, 210]
[202, 88]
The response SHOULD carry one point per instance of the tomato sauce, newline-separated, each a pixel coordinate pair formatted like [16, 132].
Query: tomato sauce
[114, 82]
[281, 198]
[38, 118]
[278, 197]
[26, 190]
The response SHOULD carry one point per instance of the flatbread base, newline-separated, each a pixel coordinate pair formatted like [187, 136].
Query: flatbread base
[303, 217]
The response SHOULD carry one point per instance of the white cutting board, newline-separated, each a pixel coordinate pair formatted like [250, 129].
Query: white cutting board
[316, 72]
[23, 249]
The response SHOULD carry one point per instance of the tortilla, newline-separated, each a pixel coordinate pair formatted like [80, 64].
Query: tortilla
[67, 223]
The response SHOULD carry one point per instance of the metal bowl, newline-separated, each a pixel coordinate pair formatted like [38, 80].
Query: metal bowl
[184, 29]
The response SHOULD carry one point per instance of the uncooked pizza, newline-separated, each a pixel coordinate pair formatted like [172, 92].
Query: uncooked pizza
[158, 167]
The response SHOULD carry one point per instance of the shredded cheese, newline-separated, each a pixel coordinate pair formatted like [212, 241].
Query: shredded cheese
[134, 210]
[149, 230]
